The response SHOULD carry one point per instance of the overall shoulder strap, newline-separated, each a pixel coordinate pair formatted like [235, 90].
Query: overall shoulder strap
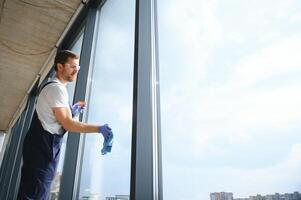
[42, 86]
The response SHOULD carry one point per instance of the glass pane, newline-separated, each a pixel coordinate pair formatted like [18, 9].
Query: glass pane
[3, 141]
[108, 176]
[230, 98]
[54, 193]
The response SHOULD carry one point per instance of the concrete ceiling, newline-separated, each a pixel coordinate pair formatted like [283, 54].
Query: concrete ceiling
[29, 31]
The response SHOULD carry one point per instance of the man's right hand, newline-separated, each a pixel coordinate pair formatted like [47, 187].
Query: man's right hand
[107, 133]
[105, 130]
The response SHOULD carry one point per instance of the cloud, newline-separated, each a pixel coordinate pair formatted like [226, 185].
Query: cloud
[283, 177]
[195, 31]
[258, 98]
[282, 57]
[235, 116]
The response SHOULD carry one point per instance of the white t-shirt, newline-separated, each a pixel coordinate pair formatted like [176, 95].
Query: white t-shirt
[52, 95]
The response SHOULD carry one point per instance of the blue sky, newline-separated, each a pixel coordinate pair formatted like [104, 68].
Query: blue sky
[229, 79]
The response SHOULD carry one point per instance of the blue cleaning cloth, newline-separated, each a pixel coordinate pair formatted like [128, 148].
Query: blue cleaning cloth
[107, 143]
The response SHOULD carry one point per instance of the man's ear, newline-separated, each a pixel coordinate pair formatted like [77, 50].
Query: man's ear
[60, 66]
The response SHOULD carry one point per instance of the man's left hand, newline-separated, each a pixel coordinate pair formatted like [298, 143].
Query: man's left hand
[78, 108]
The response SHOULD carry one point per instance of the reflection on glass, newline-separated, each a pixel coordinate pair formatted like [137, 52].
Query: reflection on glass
[55, 187]
[230, 98]
[108, 176]
[3, 141]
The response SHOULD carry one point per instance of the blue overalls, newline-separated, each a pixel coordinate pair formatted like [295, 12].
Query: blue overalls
[41, 151]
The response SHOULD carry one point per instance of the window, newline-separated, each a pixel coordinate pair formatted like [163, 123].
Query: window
[110, 101]
[230, 80]
[3, 141]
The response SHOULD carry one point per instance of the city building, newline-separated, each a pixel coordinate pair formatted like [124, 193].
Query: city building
[257, 197]
[276, 196]
[221, 196]
[119, 197]
[90, 197]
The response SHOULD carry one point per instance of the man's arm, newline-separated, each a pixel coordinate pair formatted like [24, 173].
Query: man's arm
[64, 117]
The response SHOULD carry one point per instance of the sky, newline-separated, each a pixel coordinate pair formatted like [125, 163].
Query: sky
[229, 79]
[230, 101]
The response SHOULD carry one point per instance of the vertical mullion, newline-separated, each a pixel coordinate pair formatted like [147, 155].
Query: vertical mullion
[69, 180]
[146, 165]
[156, 103]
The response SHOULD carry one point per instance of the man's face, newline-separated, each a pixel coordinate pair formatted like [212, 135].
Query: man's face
[70, 69]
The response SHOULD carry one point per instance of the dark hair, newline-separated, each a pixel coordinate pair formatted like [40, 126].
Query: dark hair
[62, 57]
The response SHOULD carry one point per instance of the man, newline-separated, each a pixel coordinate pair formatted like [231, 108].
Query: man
[52, 118]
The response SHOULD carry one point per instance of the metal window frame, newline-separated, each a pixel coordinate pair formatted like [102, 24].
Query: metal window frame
[146, 172]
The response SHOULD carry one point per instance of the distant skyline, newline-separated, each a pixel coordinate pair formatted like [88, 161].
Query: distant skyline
[231, 196]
